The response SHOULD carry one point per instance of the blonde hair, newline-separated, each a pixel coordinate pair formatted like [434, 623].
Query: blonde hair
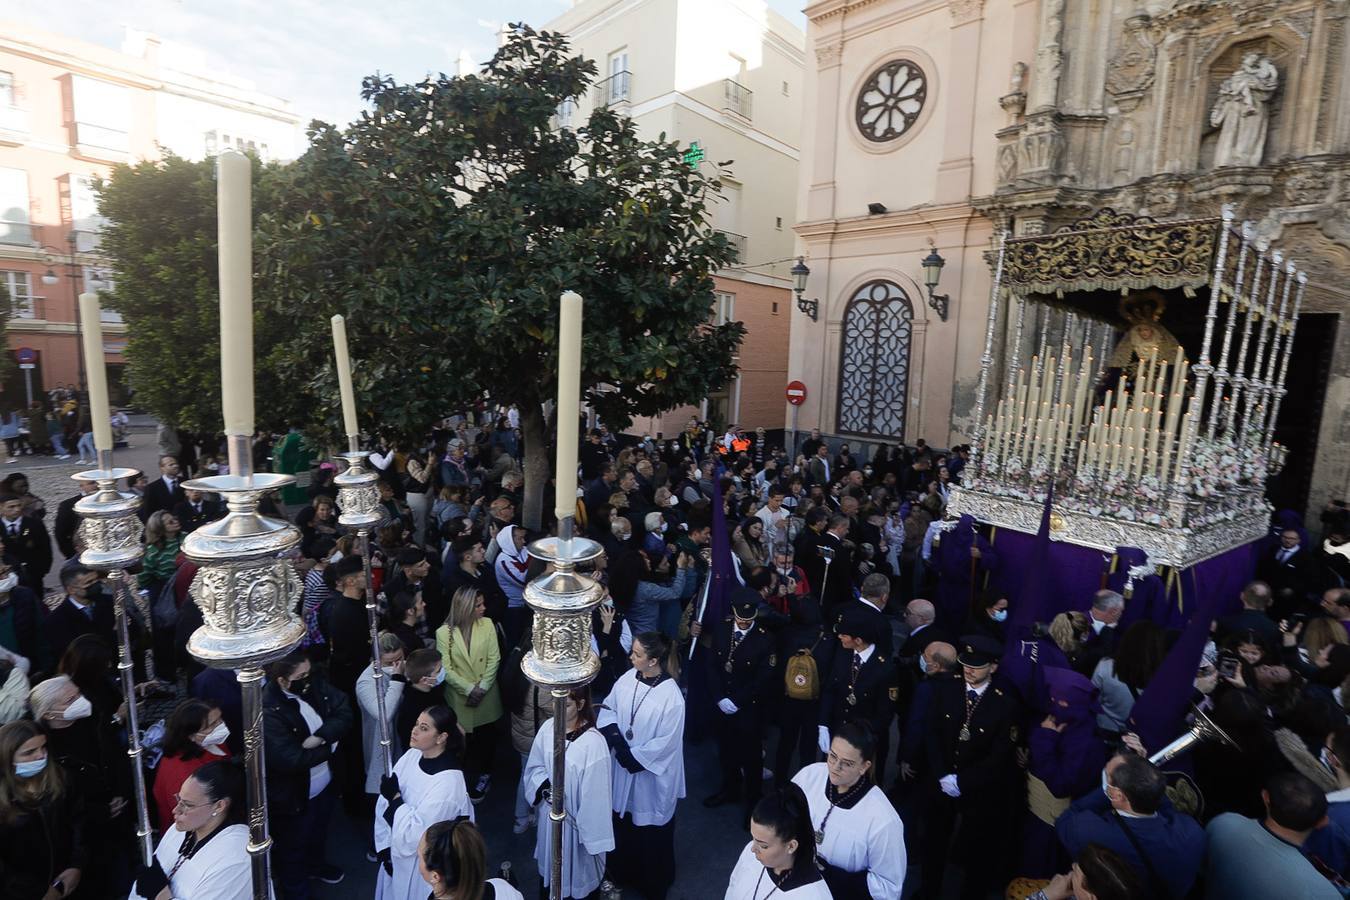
[1320, 632]
[155, 531]
[43, 695]
[389, 642]
[462, 606]
[1065, 628]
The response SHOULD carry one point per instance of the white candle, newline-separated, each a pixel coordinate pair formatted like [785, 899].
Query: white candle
[1080, 396]
[91, 324]
[569, 402]
[344, 372]
[234, 216]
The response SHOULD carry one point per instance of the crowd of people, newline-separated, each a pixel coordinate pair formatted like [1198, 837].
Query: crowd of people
[879, 731]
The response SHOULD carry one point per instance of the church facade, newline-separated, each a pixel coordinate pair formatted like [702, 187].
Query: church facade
[938, 124]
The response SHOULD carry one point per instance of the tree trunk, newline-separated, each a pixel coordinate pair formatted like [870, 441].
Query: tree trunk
[537, 469]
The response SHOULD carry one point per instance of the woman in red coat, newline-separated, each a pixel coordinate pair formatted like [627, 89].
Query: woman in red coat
[194, 736]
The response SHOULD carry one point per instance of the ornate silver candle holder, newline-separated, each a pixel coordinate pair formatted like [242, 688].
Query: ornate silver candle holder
[359, 508]
[111, 532]
[561, 659]
[247, 590]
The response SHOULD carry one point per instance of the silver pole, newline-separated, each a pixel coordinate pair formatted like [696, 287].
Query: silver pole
[112, 535]
[1234, 307]
[251, 681]
[987, 357]
[1279, 391]
[1250, 384]
[557, 814]
[359, 505]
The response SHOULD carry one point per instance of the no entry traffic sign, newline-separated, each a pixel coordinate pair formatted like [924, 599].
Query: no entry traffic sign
[796, 393]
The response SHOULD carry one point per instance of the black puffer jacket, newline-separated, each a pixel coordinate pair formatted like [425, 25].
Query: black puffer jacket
[285, 730]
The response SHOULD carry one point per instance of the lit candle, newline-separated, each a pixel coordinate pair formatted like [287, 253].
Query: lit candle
[1080, 396]
[569, 402]
[344, 372]
[1017, 425]
[91, 324]
[234, 217]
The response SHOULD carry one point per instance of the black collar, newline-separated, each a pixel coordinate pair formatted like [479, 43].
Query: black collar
[437, 764]
[850, 798]
[653, 682]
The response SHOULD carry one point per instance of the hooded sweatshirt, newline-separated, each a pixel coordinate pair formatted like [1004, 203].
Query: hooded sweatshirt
[511, 567]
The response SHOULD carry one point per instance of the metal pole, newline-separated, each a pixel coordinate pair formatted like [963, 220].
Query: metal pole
[28, 385]
[359, 505]
[792, 454]
[124, 667]
[259, 840]
[557, 814]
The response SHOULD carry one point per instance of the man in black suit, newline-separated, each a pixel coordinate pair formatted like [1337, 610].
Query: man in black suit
[165, 492]
[1104, 617]
[26, 542]
[196, 510]
[1255, 602]
[1291, 571]
[970, 753]
[85, 610]
[67, 520]
[861, 684]
[837, 586]
[743, 665]
[22, 616]
[804, 549]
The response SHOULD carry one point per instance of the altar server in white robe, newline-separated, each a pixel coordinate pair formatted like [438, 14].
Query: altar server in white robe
[860, 842]
[453, 860]
[204, 856]
[391, 659]
[427, 787]
[781, 856]
[643, 722]
[588, 831]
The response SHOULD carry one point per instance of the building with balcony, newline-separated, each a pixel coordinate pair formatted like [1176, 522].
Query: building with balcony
[69, 111]
[723, 79]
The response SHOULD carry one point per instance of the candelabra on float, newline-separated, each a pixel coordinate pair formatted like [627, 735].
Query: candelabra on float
[359, 505]
[562, 599]
[111, 532]
[246, 586]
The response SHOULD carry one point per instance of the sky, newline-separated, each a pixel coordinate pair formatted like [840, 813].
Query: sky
[311, 52]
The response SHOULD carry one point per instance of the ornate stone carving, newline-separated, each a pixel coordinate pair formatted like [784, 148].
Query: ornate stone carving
[1007, 164]
[828, 55]
[1042, 147]
[964, 11]
[1014, 102]
[1310, 186]
[1242, 114]
[1131, 69]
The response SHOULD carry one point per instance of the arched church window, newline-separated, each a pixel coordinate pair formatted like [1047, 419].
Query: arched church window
[874, 361]
[890, 100]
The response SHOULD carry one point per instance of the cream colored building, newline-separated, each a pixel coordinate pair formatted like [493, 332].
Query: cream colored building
[724, 76]
[963, 117]
[69, 111]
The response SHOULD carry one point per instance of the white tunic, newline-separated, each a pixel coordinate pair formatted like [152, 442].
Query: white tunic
[868, 837]
[750, 881]
[657, 744]
[370, 723]
[504, 890]
[220, 870]
[427, 799]
[588, 832]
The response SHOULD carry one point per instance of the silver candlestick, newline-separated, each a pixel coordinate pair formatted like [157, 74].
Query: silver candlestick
[111, 532]
[247, 590]
[359, 502]
[561, 659]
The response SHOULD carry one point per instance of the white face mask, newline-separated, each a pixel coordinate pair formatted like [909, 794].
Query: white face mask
[217, 735]
[336, 557]
[923, 664]
[672, 500]
[80, 708]
[8, 583]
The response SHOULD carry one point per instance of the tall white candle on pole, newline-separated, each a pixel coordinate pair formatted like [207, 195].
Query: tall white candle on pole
[91, 324]
[569, 400]
[234, 217]
[343, 359]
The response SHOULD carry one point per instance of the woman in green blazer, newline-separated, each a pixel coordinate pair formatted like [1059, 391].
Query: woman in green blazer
[468, 646]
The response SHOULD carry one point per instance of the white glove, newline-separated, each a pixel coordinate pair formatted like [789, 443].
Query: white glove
[824, 739]
[948, 785]
[726, 706]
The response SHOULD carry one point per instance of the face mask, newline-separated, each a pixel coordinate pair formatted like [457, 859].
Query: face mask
[617, 530]
[336, 557]
[661, 529]
[299, 685]
[80, 708]
[440, 676]
[1325, 756]
[30, 768]
[388, 671]
[923, 664]
[868, 471]
[217, 736]
[999, 615]
[1105, 784]
[8, 583]
[672, 500]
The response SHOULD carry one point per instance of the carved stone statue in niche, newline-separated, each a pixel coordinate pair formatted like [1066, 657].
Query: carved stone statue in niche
[1147, 336]
[1242, 112]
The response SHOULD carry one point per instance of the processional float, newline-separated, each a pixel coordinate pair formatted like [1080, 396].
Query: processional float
[1081, 383]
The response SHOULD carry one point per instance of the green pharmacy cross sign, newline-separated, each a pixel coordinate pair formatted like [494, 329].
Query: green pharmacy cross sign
[694, 155]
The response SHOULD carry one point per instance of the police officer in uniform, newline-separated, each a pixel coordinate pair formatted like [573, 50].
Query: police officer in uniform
[970, 745]
[744, 664]
[862, 683]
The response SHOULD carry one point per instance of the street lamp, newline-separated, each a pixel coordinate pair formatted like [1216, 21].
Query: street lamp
[932, 273]
[799, 275]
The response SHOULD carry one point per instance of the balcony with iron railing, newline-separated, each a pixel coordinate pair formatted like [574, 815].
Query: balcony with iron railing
[736, 98]
[616, 90]
[738, 245]
[27, 309]
[98, 142]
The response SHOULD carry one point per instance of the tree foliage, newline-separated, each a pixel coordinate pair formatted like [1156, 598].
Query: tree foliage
[161, 241]
[445, 223]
